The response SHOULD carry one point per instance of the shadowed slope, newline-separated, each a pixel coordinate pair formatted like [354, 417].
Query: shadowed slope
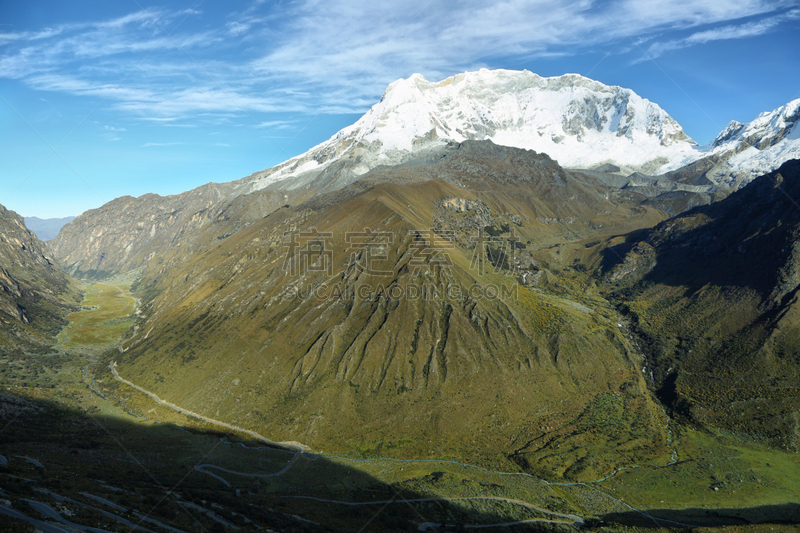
[714, 294]
[35, 293]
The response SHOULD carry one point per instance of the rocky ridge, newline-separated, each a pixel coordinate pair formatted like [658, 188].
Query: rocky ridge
[35, 293]
[576, 121]
[128, 233]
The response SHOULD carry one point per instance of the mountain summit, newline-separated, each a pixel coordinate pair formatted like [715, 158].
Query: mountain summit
[622, 139]
[758, 147]
[577, 121]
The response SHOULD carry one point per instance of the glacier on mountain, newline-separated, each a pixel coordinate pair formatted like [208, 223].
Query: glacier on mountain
[577, 121]
[757, 148]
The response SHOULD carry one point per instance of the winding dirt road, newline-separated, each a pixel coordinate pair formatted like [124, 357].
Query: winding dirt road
[298, 448]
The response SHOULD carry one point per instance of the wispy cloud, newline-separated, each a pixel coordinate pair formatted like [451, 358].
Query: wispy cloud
[112, 128]
[277, 124]
[242, 25]
[30, 36]
[337, 56]
[145, 145]
[727, 32]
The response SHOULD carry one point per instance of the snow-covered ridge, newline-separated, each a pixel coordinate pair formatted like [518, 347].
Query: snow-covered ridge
[767, 128]
[564, 116]
[746, 151]
[577, 121]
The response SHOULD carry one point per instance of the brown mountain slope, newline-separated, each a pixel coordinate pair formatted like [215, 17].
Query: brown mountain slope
[713, 293]
[127, 233]
[379, 341]
[35, 293]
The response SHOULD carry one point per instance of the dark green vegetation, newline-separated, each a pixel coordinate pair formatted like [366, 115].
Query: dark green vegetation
[712, 293]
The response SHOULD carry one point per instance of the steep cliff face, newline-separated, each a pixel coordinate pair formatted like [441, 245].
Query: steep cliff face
[35, 293]
[122, 234]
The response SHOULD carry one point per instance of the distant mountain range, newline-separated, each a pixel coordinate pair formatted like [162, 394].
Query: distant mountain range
[46, 228]
[628, 142]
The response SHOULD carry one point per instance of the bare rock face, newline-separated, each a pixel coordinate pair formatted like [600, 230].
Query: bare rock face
[128, 233]
[35, 292]
[117, 236]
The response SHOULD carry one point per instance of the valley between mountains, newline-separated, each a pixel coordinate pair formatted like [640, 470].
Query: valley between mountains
[497, 301]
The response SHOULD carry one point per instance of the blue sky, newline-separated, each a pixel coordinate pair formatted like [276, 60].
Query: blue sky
[103, 99]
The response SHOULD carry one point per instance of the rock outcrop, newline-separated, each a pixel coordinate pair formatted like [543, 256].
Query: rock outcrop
[35, 292]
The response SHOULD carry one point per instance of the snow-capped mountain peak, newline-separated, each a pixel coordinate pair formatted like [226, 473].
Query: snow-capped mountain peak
[731, 131]
[765, 130]
[745, 151]
[577, 121]
[516, 107]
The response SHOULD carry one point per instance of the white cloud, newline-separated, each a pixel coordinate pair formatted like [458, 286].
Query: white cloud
[337, 56]
[112, 128]
[243, 25]
[728, 32]
[277, 124]
[30, 36]
[677, 14]
[145, 145]
[750, 29]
